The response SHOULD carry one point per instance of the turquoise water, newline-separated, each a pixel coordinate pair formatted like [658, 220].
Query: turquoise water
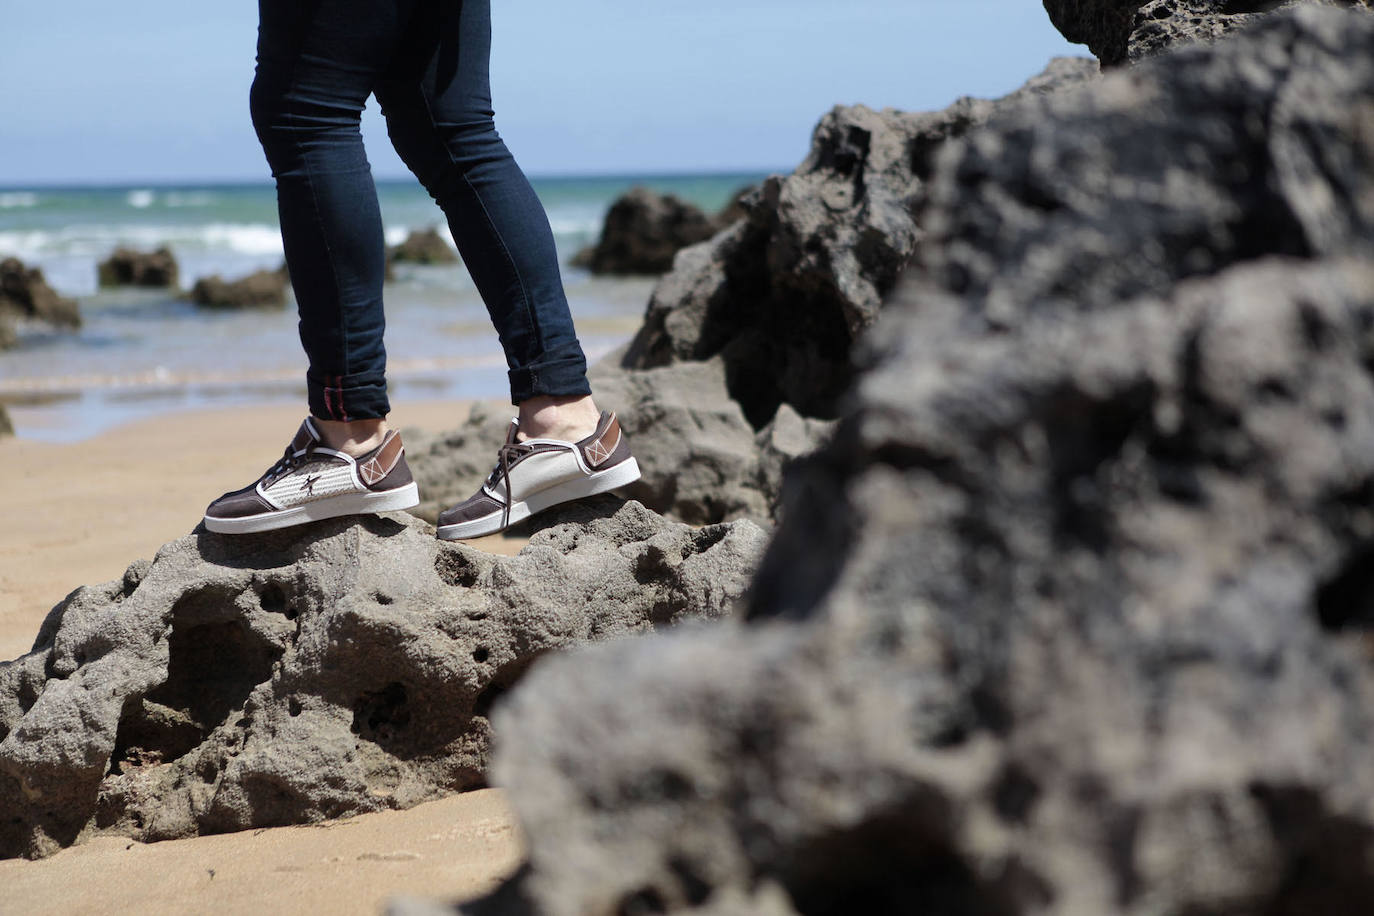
[141, 352]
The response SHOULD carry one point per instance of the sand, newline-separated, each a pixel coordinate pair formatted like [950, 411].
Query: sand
[454, 848]
[76, 514]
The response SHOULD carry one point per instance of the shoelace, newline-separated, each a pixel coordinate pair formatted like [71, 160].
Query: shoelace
[504, 456]
[288, 462]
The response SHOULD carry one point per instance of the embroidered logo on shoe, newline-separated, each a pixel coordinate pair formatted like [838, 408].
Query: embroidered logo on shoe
[309, 485]
[371, 471]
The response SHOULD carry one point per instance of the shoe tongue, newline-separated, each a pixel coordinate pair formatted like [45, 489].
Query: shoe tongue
[305, 436]
[513, 433]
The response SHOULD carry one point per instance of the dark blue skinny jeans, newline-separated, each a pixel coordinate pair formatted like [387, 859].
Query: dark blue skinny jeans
[426, 61]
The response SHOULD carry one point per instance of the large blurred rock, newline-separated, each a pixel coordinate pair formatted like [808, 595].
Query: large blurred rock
[1073, 614]
[424, 246]
[781, 296]
[1120, 31]
[129, 267]
[642, 232]
[260, 289]
[25, 294]
[318, 672]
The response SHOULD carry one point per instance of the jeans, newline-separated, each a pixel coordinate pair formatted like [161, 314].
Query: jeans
[426, 61]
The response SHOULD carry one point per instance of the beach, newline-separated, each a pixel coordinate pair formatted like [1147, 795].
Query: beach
[79, 513]
[1000, 536]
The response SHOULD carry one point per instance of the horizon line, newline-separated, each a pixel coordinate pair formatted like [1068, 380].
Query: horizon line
[136, 184]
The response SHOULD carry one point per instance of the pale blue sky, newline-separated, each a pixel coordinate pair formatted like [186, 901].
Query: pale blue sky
[156, 90]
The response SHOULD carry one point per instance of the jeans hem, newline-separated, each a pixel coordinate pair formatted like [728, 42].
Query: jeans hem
[339, 397]
[562, 378]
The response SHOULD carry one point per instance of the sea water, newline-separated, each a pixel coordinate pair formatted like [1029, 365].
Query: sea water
[141, 352]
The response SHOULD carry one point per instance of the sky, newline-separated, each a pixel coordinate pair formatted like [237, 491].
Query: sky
[156, 91]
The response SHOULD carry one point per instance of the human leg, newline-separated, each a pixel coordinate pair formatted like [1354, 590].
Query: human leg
[437, 101]
[317, 63]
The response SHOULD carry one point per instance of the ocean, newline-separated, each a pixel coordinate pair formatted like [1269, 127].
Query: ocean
[142, 352]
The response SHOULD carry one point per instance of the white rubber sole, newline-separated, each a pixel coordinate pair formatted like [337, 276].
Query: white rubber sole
[404, 497]
[623, 474]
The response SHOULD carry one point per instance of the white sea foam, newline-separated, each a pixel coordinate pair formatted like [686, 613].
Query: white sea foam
[23, 244]
[10, 200]
[241, 238]
[142, 198]
[99, 240]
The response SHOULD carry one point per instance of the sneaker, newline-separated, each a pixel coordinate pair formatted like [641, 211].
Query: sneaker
[539, 473]
[312, 482]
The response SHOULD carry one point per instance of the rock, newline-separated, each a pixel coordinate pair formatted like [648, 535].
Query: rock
[1251, 184]
[261, 289]
[127, 267]
[781, 296]
[739, 207]
[6, 427]
[25, 294]
[423, 247]
[1073, 613]
[313, 673]
[643, 231]
[701, 460]
[695, 449]
[1123, 31]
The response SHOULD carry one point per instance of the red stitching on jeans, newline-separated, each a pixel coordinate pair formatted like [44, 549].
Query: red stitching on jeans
[338, 381]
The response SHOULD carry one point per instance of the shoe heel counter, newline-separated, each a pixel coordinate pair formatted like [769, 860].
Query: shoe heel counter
[607, 448]
[385, 468]
[399, 476]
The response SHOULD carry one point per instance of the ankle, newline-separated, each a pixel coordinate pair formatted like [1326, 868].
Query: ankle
[354, 437]
[567, 418]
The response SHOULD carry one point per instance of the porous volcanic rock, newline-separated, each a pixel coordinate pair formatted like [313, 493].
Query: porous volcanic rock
[425, 246]
[1072, 615]
[642, 232]
[260, 289]
[128, 267]
[1121, 31]
[741, 202]
[25, 294]
[318, 672]
[782, 295]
